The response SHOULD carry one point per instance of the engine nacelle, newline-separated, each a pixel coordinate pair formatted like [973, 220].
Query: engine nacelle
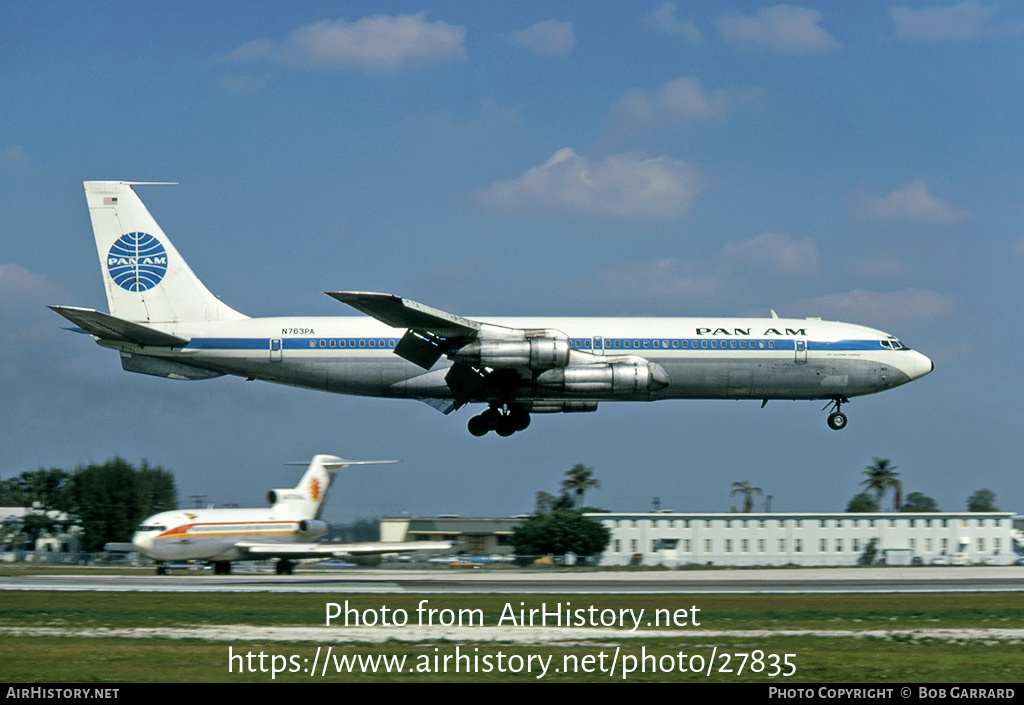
[537, 350]
[613, 378]
[313, 528]
[542, 406]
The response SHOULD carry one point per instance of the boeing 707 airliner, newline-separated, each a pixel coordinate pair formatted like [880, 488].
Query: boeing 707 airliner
[163, 321]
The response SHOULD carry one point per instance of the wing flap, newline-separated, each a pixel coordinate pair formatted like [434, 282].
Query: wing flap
[109, 327]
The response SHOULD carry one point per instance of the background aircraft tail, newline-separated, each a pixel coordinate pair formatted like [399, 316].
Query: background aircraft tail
[145, 278]
[308, 497]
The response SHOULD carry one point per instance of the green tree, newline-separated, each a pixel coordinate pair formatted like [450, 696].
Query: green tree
[870, 554]
[578, 480]
[862, 502]
[882, 477]
[49, 492]
[748, 493]
[560, 531]
[983, 500]
[111, 499]
[547, 502]
[919, 502]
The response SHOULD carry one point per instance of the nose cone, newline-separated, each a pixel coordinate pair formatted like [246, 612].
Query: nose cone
[920, 365]
[143, 541]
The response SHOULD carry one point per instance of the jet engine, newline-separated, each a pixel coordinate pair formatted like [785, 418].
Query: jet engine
[313, 528]
[628, 377]
[540, 349]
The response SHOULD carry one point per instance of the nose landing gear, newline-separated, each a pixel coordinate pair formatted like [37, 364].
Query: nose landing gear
[837, 419]
[503, 420]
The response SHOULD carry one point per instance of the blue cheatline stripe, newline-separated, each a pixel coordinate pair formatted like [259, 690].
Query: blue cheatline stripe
[610, 344]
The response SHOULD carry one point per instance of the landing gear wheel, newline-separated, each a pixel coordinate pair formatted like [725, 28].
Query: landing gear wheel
[283, 567]
[505, 427]
[478, 426]
[519, 418]
[222, 568]
[514, 418]
[837, 421]
[162, 570]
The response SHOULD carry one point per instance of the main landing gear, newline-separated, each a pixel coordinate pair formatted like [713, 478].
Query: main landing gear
[284, 567]
[503, 420]
[837, 419]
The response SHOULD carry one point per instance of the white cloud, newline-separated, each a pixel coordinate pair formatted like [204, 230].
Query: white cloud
[621, 185]
[876, 267]
[19, 284]
[911, 204]
[783, 28]
[663, 19]
[379, 42]
[885, 310]
[967, 20]
[777, 255]
[681, 99]
[672, 283]
[13, 157]
[547, 37]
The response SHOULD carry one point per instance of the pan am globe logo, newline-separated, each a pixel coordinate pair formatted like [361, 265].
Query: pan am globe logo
[137, 262]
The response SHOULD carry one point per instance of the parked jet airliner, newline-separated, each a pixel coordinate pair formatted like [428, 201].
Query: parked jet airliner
[283, 531]
[163, 321]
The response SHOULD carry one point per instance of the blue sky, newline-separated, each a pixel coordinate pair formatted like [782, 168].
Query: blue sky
[855, 162]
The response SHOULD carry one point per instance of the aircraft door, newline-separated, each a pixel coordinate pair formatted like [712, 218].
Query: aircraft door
[801, 351]
[275, 349]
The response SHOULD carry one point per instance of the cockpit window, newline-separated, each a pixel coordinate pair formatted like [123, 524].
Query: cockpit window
[151, 527]
[894, 344]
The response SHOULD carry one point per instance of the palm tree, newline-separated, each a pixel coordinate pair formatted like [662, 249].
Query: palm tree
[748, 494]
[882, 476]
[578, 481]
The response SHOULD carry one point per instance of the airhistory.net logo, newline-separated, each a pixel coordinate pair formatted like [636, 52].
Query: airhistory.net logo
[137, 262]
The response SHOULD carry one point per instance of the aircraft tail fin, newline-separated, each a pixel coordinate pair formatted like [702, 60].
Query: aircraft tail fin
[307, 498]
[145, 278]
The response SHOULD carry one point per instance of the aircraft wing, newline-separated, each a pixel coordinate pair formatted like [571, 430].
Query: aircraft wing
[430, 332]
[405, 313]
[109, 327]
[327, 550]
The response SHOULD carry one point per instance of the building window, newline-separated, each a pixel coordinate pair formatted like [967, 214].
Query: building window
[707, 545]
[839, 545]
[728, 545]
[799, 546]
[616, 546]
[823, 545]
[782, 545]
[856, 544]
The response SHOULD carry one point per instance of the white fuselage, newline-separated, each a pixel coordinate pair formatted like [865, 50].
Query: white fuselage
[704, 358]
[213, 534]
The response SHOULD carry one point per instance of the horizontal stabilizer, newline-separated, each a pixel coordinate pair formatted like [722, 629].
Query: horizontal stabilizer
[108, 327]
[404, 313]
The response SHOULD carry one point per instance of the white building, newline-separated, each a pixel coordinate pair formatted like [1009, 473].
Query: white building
[808, 539]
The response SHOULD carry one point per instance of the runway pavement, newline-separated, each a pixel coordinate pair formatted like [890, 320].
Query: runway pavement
[560, 582]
